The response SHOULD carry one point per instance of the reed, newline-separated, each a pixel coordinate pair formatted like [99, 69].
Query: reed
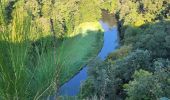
[21, 76]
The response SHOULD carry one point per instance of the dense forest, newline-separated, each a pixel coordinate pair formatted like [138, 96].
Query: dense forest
[140, 68]
[44, 43]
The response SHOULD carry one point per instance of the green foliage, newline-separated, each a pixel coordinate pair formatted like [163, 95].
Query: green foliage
[17, 80]
[141, 65]
[153, 37]
[134, 61]
[141, 29]
[33, 54]
[120, 53]
[87, 90]
[107, 79]
[90, 8]
[135, 13]
[29, 68]
[143, 87]
[147, 86]
[98, 81]
[67, 14]
[110, 5]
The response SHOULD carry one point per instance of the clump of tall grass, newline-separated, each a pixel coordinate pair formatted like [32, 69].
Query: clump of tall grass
[22, 77]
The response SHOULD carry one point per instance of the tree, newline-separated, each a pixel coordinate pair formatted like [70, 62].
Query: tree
[143, 87]
[154, 38]
[150, 86]
[107, 78]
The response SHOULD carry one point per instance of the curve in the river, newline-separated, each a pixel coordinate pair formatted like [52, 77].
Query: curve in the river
[111, 41]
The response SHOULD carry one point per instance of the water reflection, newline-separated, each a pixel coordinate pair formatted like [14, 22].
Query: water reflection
[72, 87]
[108, 18]
[110, 40]
[108, 22]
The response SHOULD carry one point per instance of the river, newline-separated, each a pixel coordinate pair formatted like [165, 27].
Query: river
[111, 42]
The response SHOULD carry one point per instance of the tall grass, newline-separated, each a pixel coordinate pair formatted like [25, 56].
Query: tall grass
[21, 76]
[30, 62]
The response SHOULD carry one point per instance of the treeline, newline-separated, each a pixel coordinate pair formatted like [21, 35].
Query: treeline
[66, 14]
[140, 68]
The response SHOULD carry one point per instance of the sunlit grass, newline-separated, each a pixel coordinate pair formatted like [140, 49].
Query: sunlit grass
[84, 27]
[78, 51]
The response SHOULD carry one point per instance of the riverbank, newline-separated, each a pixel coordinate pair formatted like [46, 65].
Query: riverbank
[78, 50]
[110, 43]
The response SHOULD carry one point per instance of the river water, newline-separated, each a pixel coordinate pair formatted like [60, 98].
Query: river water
[111, 42]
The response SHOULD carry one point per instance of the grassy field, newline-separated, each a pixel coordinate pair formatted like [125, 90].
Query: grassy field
[76, 51]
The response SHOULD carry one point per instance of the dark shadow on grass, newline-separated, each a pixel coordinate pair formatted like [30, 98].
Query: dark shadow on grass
[33, 51]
